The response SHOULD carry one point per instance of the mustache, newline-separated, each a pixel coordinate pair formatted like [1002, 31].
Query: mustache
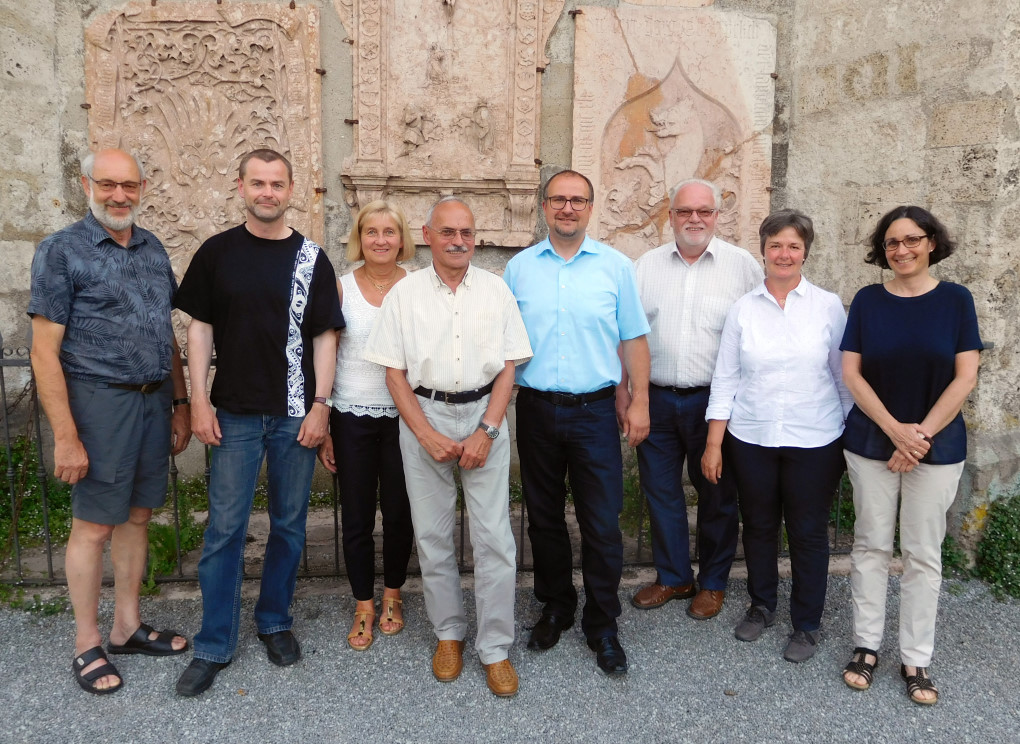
[457, 249]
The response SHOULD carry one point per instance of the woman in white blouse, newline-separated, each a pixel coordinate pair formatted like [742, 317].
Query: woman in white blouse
[363, 447]
[776, 413]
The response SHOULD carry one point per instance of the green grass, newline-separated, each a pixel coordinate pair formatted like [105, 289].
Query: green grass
[25, 512]
[998, 553]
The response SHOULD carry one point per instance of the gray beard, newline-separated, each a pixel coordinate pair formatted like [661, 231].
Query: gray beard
[105, 219]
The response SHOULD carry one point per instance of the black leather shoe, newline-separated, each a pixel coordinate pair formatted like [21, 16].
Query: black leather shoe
[198, 677]
[609, 655]
[546, 632]
[282, 647]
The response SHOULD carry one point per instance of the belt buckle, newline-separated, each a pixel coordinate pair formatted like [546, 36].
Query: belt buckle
[150, 387]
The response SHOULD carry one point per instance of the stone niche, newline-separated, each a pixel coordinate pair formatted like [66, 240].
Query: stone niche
[446, 101]
[192, 87]
[664, 94]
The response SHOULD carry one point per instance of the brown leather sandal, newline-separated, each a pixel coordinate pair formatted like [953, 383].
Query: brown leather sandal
[387, 615]
[363, 629]
[861, 668]
[917, 682]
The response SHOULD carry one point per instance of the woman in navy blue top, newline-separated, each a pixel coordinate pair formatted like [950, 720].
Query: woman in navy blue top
[910, 359]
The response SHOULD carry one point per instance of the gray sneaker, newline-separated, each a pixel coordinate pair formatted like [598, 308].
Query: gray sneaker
[756, 619]
[802, 645]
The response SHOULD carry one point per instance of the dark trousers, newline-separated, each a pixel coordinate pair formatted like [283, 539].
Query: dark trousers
[367, 454]
[678, 432]
[794, 484]
[583, 443]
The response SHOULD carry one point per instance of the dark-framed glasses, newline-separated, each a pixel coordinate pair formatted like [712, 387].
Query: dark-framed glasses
[911, 241]
[107, 186]
[685, 214]
[559, 202]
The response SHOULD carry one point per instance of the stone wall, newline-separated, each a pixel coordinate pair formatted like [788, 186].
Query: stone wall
[876, 104]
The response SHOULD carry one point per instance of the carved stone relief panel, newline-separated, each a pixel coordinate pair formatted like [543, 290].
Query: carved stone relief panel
[664, 94]
[192, 87]
[446, 101]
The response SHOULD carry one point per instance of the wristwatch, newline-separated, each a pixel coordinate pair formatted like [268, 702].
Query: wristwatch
[328, 402]
[490, 431]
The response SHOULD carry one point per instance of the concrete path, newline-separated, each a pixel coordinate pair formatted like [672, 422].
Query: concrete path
[689, 681]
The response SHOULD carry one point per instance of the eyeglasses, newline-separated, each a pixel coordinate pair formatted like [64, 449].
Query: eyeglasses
[911, 241]
[559, 202]
[106, 186]
[448, 233]
[685, 214]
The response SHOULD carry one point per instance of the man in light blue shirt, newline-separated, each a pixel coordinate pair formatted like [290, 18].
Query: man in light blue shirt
[580, 304]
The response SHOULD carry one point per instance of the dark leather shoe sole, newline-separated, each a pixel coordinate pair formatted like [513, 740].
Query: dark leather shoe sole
[282, 648]
[199, 677]
[546, 632]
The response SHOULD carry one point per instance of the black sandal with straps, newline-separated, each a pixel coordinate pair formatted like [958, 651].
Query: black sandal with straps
[860, 667]
[917, 682]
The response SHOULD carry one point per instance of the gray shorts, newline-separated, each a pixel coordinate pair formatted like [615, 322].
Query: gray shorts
[126, 435]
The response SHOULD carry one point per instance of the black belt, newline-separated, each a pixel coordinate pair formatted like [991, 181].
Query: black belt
[680, 390]
[145, 388]
[570, 399]
[468, 396]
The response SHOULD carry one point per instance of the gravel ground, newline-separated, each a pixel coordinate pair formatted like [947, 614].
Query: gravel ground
[688, 680]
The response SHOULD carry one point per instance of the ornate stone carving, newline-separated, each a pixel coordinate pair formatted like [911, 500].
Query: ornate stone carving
[194, 86]
[447, 100]
[661, 95]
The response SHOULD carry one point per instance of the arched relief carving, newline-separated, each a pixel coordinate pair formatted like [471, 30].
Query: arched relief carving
[661, 95]
[192, 87]
[434, 113]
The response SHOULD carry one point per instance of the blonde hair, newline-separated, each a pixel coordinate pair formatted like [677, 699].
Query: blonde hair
[380, 206]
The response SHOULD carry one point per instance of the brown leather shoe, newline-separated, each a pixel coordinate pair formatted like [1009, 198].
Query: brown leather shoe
[501, 678]
[448, 661]
[706, 604]
[656, 595]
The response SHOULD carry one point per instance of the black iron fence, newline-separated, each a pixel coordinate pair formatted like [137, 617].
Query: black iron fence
[35, 509]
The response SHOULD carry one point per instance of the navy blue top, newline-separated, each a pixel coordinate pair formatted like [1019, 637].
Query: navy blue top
[908, 348]
[266, 300]
[114, 302]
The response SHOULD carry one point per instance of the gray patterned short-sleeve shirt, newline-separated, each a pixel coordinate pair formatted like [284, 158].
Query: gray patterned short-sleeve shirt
[114, 302]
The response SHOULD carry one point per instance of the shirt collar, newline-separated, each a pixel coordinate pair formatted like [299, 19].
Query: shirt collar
[97, 233]
[710, 250]
[587, 246]
[438, 283]
[801, 288]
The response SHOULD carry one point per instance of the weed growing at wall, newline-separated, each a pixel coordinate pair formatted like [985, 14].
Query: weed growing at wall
[998, 553]
[21, 500]
[191, 493]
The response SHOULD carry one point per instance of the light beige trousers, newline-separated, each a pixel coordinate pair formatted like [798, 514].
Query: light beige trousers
[433, 496]
[923, 496]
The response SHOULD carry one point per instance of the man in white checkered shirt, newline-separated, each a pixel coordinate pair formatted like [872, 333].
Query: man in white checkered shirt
[687, 287]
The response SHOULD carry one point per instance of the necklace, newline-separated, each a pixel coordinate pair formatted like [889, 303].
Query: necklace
[381, 288]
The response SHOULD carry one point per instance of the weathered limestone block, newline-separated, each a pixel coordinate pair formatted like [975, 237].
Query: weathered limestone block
[447, 100]
[966, 122]
[661, 95]
[192, 87]
[962, 173]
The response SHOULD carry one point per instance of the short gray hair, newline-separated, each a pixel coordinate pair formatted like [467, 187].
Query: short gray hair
[716, 190]
[89, 161]
[445, 200]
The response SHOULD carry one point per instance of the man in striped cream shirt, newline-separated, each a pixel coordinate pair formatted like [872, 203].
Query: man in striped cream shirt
[687, 287]
[450, 336]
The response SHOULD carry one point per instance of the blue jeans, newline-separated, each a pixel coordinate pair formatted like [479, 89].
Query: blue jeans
[678, 431]
[246, 441]
[583, 443]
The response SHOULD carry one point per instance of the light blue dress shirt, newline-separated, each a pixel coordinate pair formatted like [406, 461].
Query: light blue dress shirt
[576, 313]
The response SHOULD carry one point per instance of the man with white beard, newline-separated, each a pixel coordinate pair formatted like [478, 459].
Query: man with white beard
[110, 378]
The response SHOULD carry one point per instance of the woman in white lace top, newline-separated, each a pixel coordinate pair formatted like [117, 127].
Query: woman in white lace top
[363, 447]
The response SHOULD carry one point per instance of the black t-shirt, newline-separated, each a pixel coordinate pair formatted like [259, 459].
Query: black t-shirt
[266, 300]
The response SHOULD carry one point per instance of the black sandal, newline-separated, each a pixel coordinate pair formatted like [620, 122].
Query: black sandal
[140, 643]
[860, 667]
[85, 680]
[918, 682]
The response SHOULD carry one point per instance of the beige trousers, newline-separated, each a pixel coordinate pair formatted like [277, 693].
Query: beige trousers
[433, 496]
[923, 496]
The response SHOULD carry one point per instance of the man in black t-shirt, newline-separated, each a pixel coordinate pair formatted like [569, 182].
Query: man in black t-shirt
[266, 297]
